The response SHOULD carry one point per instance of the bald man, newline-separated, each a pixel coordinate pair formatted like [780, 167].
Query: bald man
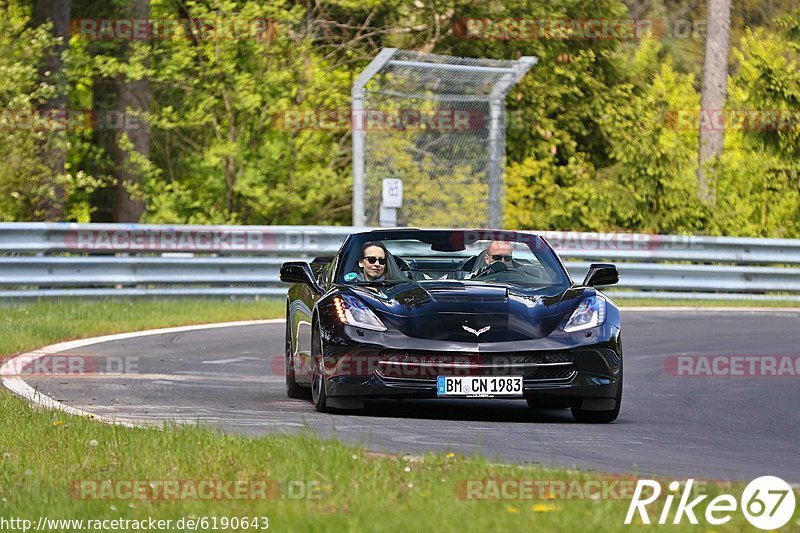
[499, 251]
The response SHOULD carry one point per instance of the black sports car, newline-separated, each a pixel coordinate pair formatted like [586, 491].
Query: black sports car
[409, 313]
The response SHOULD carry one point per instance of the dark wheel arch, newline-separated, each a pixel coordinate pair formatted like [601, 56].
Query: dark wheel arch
[319, 394]
[599, 417]
[293, 390]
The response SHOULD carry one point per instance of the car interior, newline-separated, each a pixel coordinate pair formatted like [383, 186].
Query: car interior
[455, 267]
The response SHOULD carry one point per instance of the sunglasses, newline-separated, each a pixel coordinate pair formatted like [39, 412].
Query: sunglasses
[502, 257]
[371, 260]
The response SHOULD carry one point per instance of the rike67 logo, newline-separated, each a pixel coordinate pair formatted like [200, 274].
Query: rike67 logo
[768, 503]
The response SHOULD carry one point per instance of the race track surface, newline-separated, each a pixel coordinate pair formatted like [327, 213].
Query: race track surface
[727, 428]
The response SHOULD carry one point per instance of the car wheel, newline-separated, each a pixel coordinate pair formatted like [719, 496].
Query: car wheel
[600, 417]
[318, 393]
[293, 390]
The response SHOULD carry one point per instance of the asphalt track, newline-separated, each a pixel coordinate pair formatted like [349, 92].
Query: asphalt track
[727, 428]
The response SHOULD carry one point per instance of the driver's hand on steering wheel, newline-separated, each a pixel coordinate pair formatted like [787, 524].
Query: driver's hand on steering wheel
[494, 268]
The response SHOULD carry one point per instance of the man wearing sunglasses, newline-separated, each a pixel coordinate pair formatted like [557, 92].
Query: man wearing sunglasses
[499, 251]
[372, 262]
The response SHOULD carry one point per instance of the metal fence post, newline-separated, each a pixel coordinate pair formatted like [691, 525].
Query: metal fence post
[496, 174]
[497, 145]
[358, 124]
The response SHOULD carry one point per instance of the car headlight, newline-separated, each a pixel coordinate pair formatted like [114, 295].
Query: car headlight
[354, 312]
[590, 313]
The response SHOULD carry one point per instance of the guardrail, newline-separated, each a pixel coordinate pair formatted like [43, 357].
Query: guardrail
[62, 259]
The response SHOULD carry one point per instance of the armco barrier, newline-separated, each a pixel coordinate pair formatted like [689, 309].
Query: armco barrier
[63, 259]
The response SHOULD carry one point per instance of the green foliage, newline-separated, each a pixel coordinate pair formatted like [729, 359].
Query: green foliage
[647, 183]
[223, 156]
[652, 186]
[24, 179]
[759, 182]
[592, 141]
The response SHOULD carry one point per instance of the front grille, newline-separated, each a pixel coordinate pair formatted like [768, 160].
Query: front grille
[424, 366]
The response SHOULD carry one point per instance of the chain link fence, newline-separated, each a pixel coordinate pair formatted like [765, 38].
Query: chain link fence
[429, 139]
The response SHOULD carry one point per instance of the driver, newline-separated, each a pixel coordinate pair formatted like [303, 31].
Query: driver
[499, 251]
[499, 257]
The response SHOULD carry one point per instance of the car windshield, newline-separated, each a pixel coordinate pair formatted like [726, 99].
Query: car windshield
[499, 257]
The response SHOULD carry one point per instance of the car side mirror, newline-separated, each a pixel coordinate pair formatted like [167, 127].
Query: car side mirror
[601, 274]
[300, 272]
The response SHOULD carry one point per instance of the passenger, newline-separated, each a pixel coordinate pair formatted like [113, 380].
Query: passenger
[372, 262]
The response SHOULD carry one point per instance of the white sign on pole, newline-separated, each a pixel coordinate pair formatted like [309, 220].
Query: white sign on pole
[392, 192]
[388, 217]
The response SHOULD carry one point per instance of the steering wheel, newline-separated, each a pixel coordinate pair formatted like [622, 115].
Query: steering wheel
[511, 275]
[488, 270]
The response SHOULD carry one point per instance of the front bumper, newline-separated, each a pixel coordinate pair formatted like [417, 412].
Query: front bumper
[370, 364]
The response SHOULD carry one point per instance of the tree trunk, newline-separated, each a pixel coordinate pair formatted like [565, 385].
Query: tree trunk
[133, 98]
[103, 97]
[52, 149]
[715, 85]
[118, 103]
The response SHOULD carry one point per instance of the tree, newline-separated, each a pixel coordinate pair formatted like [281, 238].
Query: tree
[120, 102]
[715, 83]
[27, 181]
[759, 172]
[133, 103]
[55, 14]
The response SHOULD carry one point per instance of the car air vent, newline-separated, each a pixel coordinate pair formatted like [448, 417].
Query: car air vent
[466, 297]
[460, 293]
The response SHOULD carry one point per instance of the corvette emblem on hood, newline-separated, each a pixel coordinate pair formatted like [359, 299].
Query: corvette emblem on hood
[477, 332]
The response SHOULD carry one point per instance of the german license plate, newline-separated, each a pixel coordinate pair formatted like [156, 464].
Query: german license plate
[479, 386]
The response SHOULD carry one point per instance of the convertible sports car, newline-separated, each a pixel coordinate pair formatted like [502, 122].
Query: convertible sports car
[409, 313]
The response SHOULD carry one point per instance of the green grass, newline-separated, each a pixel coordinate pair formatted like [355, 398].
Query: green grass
[358, 492]
[658, 302]
[29, 325]
[42, 453]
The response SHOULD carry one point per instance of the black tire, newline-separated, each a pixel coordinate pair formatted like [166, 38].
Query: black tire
[319, 396]
[600, 417]
[293, 390]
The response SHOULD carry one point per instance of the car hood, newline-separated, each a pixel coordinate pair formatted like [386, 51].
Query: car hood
[469, 311]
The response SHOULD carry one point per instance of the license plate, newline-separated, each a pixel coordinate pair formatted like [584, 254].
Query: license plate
[479, 386]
